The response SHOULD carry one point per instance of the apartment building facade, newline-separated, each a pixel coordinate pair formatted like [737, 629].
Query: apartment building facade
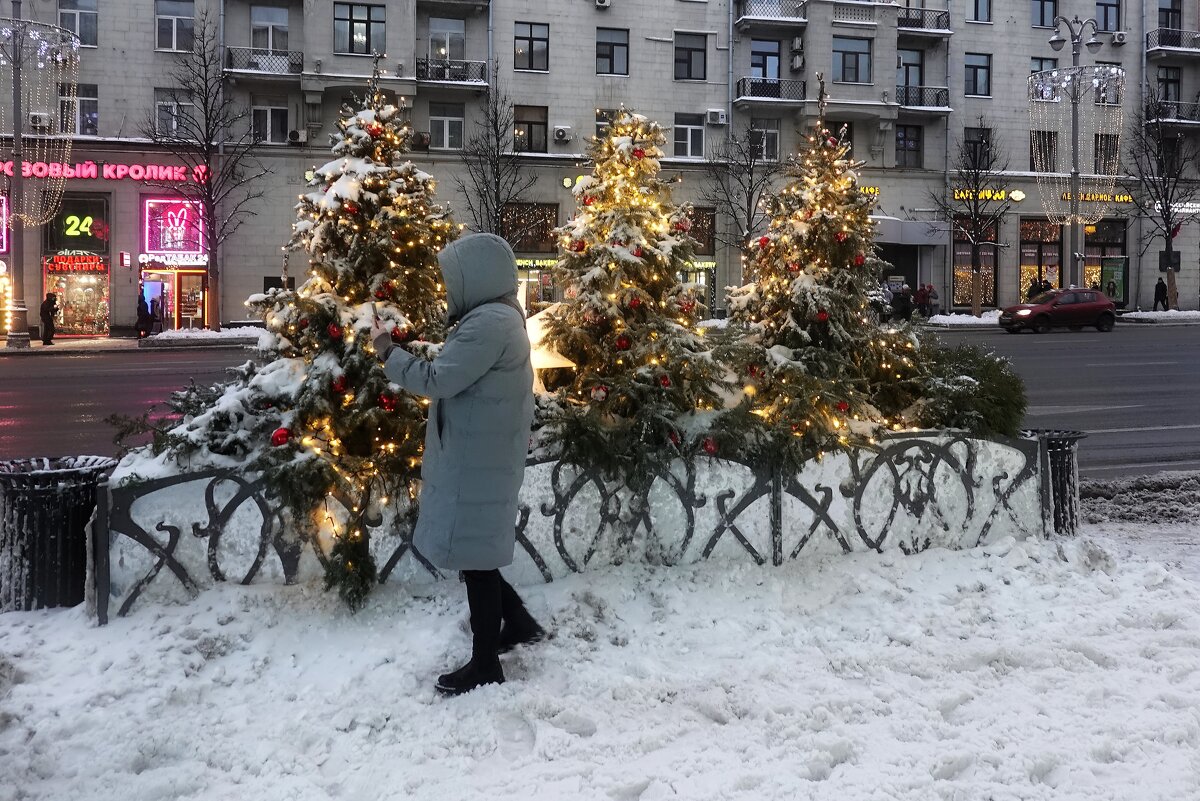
[908, 82]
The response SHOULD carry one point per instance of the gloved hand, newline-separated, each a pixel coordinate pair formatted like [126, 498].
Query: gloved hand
[381, 339]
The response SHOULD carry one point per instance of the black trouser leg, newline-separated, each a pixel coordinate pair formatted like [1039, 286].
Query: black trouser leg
[485, 600]
[512, 608]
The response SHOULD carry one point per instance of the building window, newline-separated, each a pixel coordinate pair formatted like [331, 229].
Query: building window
[529, 227]
[979, 10]
[1170, 15]
[1043, 151]
[909, 148]
[963, 269]
[1168, 84]
[175, 21]
[1108, 15]
[764, 138]
[80, 18]
[977, 145]
[1043, 89]
[269, 28]
[1108, 95]
[764, 59]
[851, 60]
[691, 56]
[270, 123]
[978, 78]
[612, 51]
[446, 126]
[78, 113]
[529, 128]
[1037, 64]
[173, 112]
[1041, 253]
[1106, 154]
[447, 39]
[689, 136]
[358, 29]
[604, 118]
[1044, 12]
[531, 46]
[1104, 247]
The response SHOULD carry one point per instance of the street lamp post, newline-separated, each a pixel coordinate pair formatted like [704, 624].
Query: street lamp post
[1076, 29]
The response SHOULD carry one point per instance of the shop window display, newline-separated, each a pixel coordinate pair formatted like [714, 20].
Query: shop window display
[75, 265]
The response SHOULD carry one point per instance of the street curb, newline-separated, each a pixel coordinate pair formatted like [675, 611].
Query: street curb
[68, 351]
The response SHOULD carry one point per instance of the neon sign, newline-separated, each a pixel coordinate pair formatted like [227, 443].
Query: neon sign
[173, 228]
[75, 263]
[4, 224]
[90, 171]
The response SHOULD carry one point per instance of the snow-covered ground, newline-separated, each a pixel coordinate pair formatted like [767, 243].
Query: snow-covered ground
[989, 319]
[1036, 670]
[1172, 316]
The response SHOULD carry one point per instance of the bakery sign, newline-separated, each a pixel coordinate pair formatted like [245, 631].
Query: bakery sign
[172, 233]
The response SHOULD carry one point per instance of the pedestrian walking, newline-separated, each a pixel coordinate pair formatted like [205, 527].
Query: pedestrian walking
[1160, 295]
[1035, 289]
[902, 305]
[156, 316]
[921, 300]
[143, 318]
[935, 302]
[476, 442]
[49, 311]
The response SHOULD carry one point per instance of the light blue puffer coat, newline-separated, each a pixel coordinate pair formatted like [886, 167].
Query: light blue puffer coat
[477, 437]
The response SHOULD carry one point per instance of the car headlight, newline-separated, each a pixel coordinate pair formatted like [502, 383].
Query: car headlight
[1024, 312]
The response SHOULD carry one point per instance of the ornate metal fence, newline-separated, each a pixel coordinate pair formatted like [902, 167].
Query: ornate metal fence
[169, 537]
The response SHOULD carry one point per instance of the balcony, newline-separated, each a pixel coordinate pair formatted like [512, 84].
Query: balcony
[924, 99]
[265, 62]
[1172, 42]
[923, 23]
[771, 13]
[458, 6]
[770, 91]
[1173, 112]
[442, 70]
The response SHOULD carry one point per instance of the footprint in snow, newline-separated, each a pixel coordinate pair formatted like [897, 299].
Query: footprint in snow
[515, 735]
[574, 723]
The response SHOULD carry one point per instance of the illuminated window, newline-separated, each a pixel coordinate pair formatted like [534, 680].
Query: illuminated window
[530, 128]
[531, 46]
[358, 29]
[529, 227]
[704, 230]
[963, 270]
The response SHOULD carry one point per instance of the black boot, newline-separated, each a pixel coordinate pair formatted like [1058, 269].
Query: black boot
[519, 626]
[484, 600]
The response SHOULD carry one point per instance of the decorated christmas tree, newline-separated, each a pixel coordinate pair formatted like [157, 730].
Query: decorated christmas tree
[819, 372]
[628, 323]
[335, 440]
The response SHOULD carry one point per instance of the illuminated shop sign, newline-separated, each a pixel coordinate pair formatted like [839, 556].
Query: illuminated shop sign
[3, 224]
[536, 264]
[1100, 197]
[873, 191]
[984, 194]
[172, 232]
[80, 262]
[90, 171]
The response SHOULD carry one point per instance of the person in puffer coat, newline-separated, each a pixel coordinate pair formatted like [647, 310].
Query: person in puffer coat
[476, 441]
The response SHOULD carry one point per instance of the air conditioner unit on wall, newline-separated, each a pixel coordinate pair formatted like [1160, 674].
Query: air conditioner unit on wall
[297, 137]
[716, 116]
[562, 133]
[1120, 37]
[40, 119]
[798, 62]
[603, 3]
[797, 44]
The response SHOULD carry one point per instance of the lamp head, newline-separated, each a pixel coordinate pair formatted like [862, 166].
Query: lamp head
[1093, 44]
[1057, 41]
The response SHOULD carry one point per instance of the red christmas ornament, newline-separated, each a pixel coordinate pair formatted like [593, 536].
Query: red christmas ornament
[339, 384]
[638, 251]
[635, 302]
[400, 334]
[281, 436]
[763, 241]
[588, 200]
[664, 381]
[840, 236]
[793, 267]
[687, 306]
[710, 446]
[578, 245]
[842, 406]
[822, 316]
[387, 401]
[638, 153]
[755, 371]
[859, 259]
[599, 393]
[624, 342]
[831, 142]
[684, 225]
[334, 330]
[303, 323]
[351, 208]
[374, 129]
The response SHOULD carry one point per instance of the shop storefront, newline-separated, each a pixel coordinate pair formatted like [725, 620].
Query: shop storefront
[75, 265]
[174, 262]
[964, 270]
[1041, 254]
[1105, 260]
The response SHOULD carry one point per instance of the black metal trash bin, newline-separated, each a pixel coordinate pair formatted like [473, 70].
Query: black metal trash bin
[1061, 450]
[45, 505]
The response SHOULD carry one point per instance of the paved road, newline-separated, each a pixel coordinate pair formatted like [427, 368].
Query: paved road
[55, 404]
[1135, 391]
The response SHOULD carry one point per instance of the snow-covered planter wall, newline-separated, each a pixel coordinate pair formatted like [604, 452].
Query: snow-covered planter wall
[167, 538]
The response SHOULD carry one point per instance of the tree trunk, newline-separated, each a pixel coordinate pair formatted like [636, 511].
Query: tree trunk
[1172, 285]
[976, 282]
[212, 297]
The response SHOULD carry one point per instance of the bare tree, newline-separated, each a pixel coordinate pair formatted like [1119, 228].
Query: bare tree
[976, 199]
[208, 132]
[738, 173]
[496, 174]
[1163, 181]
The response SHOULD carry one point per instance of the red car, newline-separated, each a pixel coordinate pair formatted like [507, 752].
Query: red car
[1072, 308]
